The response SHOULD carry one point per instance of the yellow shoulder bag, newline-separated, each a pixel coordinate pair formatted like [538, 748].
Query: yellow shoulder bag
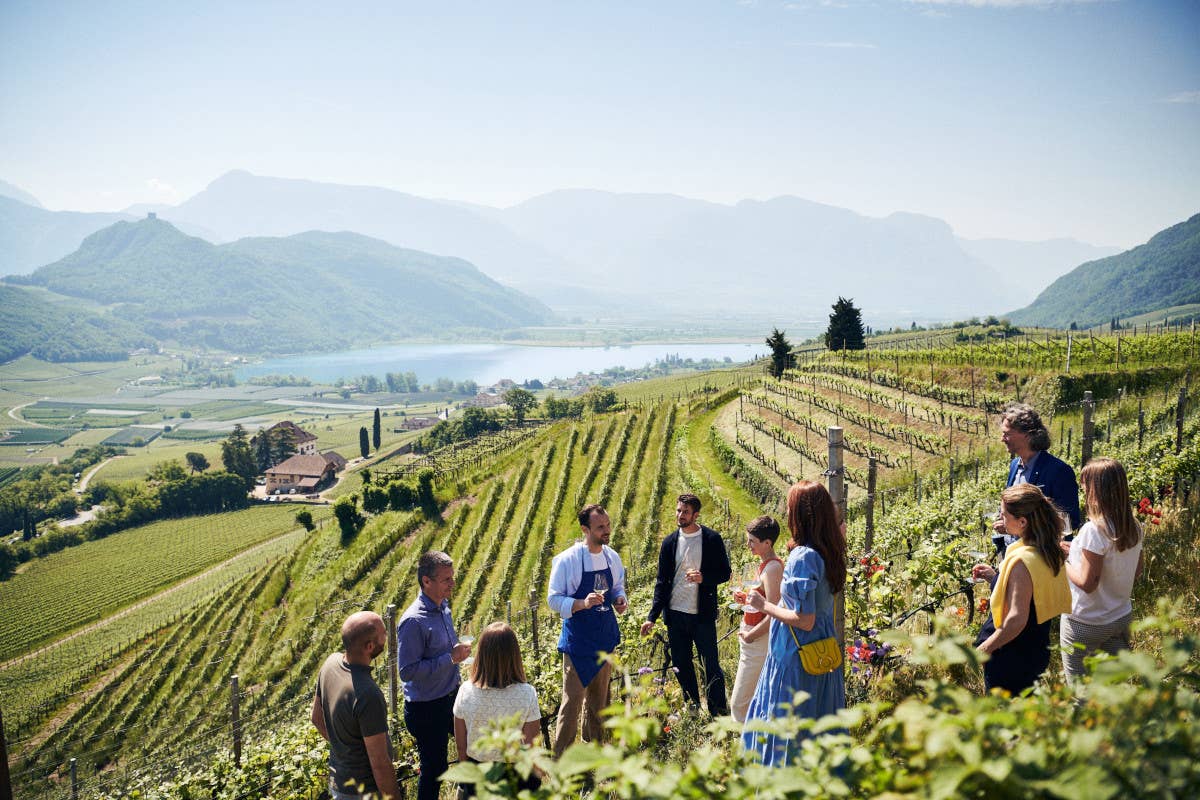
[819, 657]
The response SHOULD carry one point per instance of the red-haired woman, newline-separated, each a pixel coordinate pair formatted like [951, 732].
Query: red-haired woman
[815, 572]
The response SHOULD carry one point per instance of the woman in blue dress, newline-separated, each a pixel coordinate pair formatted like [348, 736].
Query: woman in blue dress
[815, 572]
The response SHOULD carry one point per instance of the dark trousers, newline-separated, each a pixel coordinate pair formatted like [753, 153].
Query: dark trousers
[431, 723]
[684, 631]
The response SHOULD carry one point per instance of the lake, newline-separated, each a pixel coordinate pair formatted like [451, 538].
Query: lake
[488, 363]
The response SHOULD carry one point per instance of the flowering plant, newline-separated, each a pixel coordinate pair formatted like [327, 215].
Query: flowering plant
[1148, 512]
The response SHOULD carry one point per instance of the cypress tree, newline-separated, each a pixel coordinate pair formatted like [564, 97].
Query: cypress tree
[845, 327]
[377, 431]
[364, 442]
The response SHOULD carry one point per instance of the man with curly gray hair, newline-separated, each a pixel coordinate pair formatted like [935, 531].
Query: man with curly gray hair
[1028, 442]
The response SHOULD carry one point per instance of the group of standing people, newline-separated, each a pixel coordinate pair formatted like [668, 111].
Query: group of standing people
[1047, 570]
[787, 640]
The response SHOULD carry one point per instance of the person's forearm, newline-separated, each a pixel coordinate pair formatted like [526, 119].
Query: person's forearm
[425, 667]
[758, 631]
[1009, 629]
[794, 619]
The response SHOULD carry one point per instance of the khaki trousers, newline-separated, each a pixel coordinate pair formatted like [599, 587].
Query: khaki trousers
[575, 696]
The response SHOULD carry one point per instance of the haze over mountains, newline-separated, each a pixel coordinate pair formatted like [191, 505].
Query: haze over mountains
[644, 250]
[310, 291]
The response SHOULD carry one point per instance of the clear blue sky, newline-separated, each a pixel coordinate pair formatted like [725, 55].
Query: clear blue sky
[1021, 119]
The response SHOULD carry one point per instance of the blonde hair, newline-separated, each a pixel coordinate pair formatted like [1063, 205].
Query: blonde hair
[1044, 528]
[498, 658]
[1107, 491]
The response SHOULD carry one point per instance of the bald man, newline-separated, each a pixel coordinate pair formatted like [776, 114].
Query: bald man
[350, 712]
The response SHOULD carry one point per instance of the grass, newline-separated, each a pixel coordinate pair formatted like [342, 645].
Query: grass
[42, 603]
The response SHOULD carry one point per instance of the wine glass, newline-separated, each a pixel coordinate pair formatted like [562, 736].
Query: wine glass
[750, 582]
[465, 636]
[601, 586]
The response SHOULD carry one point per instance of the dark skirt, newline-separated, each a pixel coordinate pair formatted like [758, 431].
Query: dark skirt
[1017, 665]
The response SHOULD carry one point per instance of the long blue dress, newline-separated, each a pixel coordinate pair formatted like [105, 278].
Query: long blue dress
[805, 590]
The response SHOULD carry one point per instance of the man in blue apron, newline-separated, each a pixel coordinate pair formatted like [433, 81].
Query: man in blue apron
[587, 584]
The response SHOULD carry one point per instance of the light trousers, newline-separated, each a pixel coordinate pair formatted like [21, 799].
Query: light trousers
[750, 663]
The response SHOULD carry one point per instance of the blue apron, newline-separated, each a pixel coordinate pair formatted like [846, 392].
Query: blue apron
[589, 632]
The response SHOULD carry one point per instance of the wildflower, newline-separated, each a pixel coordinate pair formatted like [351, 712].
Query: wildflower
[666, 728]
[984, 604]
[645, 670]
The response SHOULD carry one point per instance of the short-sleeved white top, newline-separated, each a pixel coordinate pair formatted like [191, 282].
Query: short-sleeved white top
[479, 707]
[1110, 601]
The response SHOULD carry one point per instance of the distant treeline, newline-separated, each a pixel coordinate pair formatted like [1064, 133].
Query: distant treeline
[168, 491]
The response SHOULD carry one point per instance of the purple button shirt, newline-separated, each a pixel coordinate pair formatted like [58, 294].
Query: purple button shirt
[424, 638]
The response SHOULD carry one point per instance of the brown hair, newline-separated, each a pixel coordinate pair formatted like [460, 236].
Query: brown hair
[690, 500]
[585, 513]
[813, 522]
[764, 528]
[1107, 492]
[1044, 528]
[498, 658]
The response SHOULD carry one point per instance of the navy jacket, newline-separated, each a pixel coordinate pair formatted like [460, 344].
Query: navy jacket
[714, 569]
[1056, 479]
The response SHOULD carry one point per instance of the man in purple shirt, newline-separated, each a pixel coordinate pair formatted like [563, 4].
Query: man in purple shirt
[428, 655]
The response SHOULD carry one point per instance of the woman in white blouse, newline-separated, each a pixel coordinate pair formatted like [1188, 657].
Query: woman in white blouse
[497, 694]
[1103, 562]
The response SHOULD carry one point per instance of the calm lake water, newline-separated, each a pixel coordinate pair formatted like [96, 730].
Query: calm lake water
[488, 363]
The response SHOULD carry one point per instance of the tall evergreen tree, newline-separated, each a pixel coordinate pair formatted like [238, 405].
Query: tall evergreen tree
[845, 327]
[364, 442]
[283, 445]
[377, 431]
[237, 456]
[781, 352]
[262, 450]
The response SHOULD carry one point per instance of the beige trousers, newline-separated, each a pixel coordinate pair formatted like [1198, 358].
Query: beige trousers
[750, 664]
[575, 696]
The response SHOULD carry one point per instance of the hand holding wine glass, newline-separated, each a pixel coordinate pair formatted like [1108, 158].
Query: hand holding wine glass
[465, 637]
[601, 587]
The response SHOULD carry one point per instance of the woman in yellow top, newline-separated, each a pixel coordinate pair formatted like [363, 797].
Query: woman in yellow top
[1029, 590]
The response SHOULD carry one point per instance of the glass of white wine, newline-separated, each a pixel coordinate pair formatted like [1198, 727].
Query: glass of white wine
[750, 582]
[601, 586]
[465, 636]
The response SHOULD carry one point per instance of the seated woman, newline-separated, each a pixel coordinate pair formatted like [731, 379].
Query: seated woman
[1029, 590]
[1103, 563]
[496, 693]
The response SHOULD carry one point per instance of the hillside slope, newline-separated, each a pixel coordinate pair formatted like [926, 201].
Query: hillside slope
[1163, 272]
[31, 236]
[32, 324]
[313, 291]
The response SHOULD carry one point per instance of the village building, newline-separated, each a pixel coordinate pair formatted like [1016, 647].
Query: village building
[304, 473]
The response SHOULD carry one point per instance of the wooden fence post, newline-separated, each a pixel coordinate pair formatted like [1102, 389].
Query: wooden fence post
[951, 479]
[1179, 408]
[837, 490]
[393, 664]
[1070, 435]
[1089, 430]
[869, 539]
[235, 718]
[1141, 424]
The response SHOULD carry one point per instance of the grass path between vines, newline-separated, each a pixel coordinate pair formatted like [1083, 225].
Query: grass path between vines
[704, 463]
[142, 603]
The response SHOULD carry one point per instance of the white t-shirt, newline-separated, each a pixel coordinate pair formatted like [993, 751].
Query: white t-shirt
[685, 595]
[1110, 601]
[480, 708]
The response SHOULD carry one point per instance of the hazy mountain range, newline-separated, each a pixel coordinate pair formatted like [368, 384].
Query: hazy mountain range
[785, 255]
[310, 291]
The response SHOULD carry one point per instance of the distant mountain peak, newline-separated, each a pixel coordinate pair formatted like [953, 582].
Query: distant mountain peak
[17, 193]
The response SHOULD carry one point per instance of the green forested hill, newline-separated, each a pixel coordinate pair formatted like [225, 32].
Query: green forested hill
[1163, 272]
[31, 324]
[311, 291]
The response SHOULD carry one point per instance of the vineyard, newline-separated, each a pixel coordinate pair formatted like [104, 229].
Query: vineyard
[149, 700]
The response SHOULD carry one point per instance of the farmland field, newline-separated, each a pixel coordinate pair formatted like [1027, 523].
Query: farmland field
[159, 684]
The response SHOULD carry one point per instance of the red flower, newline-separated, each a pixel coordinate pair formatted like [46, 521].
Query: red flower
[666, 728]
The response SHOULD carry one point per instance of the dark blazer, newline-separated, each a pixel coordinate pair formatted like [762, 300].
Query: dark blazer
[1056, 479]
[714, 568]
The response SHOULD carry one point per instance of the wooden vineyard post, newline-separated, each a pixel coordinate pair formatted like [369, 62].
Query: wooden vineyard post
[74, 780]
[6, 792]
[837, 490]
[1070, 435]
[392, 663]
[1141, 424]
[951, 479]
[1179, 408]
[235, 719]
[1068, 369]
[869, 538]
[1089, 430]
